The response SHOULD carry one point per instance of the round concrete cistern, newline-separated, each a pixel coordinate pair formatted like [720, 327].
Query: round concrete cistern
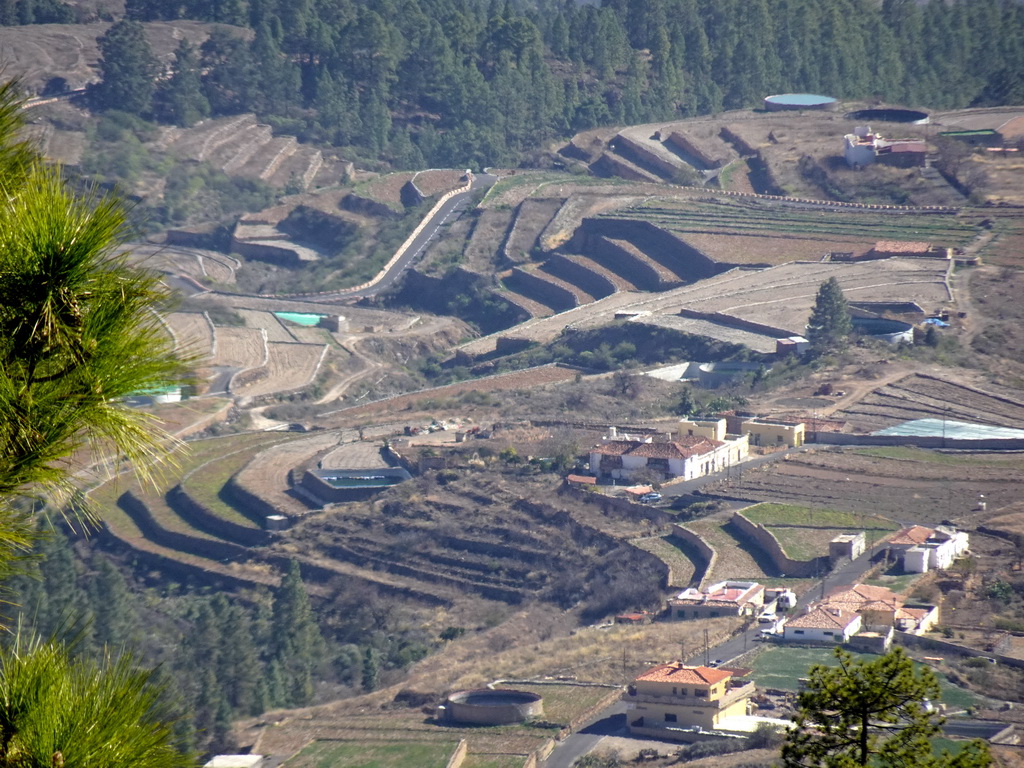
[485, 706]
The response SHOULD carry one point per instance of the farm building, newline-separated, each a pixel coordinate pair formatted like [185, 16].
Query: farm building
[884, 249]
[726, 598]
[862, 147]
[672, 700]
[822, 625]
[793, 345]
[848, 546]
[688, 457]
[923, 549]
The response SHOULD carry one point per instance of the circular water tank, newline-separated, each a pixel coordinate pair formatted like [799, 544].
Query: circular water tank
[485, 706]
[893, 115]
[798, 101]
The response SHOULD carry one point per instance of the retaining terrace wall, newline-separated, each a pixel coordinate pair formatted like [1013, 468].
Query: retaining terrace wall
[765, 540]
[701, 570]
[209, 548]
[660, 245]
[203, 518]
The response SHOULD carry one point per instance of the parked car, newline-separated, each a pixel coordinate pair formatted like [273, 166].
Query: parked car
[647, 498]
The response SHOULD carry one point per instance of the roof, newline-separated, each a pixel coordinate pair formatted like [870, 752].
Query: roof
[823, 618]
[863, 597]
[582, 479]
[898, 246]
[676, 672]
[683, 448]
[912, 536]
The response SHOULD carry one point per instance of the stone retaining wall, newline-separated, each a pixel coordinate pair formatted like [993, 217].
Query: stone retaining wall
[765, 540]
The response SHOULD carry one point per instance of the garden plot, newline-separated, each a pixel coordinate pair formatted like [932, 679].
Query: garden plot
[533, 216]
[193, 333]
[289, 366]
[437, 182]
[240, 347]
[276, 331]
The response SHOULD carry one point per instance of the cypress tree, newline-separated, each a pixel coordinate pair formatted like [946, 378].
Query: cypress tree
[298, 645]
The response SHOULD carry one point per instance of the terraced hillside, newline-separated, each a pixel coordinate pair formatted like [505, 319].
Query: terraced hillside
[751, 307]
[432, 540]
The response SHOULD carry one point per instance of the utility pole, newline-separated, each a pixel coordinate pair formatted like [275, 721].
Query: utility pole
[682, 651]
[707, 659]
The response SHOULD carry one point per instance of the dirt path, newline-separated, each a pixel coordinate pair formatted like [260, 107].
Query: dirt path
[351, 345]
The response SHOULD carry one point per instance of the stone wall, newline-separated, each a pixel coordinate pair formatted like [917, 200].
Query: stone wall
[702, 570]
[765, 540]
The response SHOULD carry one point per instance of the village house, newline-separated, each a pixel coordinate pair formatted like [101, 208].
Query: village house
[725, 598]
[920, 549]
[765, 431]
[881, 609]
[822, 625]
[623, 458]
[673, 699]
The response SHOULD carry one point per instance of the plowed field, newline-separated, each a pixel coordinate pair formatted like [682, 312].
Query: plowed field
[920, 397]
[904, 484]
[239, 347]
[192, 331]
[290, 365]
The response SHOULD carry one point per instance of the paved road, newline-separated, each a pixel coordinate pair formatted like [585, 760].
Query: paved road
[452, 209]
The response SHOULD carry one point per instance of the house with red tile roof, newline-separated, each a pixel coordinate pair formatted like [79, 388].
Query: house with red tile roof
[921, 549]
[687, 457]
[674, 700]
[725, 598]
[822, 624]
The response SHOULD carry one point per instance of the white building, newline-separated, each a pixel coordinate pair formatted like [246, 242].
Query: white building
[688, 457]
[822, 625]
[928, 549]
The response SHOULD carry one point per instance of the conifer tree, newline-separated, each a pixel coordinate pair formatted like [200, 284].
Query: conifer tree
[830, 323]
[298, 646]
[129, 69]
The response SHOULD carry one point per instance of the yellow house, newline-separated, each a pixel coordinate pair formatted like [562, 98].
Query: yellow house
[672, 700]
[713, 429]
[764, 432]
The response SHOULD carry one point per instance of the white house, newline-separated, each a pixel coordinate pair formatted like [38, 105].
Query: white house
[688, 457]
[822, 625]
[925, 549]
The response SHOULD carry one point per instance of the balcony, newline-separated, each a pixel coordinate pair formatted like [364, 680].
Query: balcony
[731, 696]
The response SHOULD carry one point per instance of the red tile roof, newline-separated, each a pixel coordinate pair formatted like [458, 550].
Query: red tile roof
[898, 246]
[823, 618]
[582, 479]
[912, 536]
[613, 447]
[679, 673]
[683, 448]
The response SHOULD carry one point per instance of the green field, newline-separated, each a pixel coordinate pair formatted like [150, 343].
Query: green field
[770, 514]
[782, 667]
[363, 754]
[493, 761]
[906, 453]
[763, 217]
[562, 703]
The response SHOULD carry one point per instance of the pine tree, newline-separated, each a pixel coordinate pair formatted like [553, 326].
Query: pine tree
[298, 646]
[129, 69]
[180, 99]
[116, 623]
[830, 322]
[871, 713]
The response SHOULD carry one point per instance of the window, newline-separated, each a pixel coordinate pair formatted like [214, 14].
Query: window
[682, 691]
[680, 614]
[675, 692]
[714, 614]
[828, 634]
[700, 694]
[798, 632]
[670, 718]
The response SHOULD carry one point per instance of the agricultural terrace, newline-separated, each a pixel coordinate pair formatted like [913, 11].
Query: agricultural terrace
[363, 754]
[753, 231]
[805, 532]
[905, 485]
[782, 667]
[919, 396]
[780, 296]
